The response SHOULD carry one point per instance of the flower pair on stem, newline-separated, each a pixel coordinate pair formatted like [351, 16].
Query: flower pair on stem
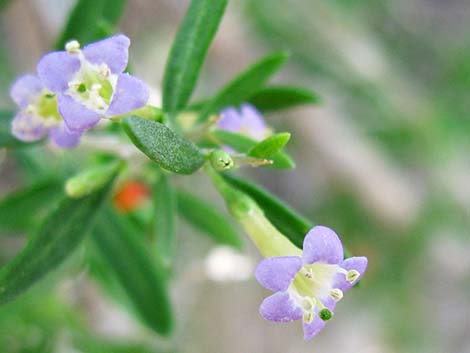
[74, 89]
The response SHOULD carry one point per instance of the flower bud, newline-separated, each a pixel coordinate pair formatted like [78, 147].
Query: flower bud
[221, 160]
[88, 181]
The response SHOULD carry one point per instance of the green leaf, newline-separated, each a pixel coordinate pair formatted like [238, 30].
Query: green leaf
[55, 240]
[188, 52]
[289, 222]
[282, 97]
[244, 85]
[269, 146]
[6, 138]
[22, 209]
[91, 179]
[164, 202]
[208, 219]
[3, 4]
[244, 144]
[139, 274]
[87, 19]
[163, 146]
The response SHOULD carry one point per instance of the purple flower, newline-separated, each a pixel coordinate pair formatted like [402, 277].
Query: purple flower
[38, 115]
[248, 121]
[91, 83]
[308, 287]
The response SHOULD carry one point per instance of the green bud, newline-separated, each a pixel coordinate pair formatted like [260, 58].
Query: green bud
[90, 180]
[221, 160]
[325, 314]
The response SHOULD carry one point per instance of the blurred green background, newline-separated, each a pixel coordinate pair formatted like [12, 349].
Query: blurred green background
[384, 160]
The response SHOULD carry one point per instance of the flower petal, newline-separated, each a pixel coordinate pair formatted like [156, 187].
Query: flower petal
[130, 93]
[25, 89]
[280, 307]
[56, 69]
[77, 117]
[112, 51]
[358, 263]
[322, 245]
[230, 120]
[27, 127]
[277, 273]
[312, 329]
[62, 137]
[253, 122]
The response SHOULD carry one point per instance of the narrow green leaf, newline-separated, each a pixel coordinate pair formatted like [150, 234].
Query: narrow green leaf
[51, 245]
[163, 146]
[188, 52]
[244, 144]
[22, 209]
[87, 19]
[6, 138]
[244, 85]
[282, 97]
[164, 202]
[289, 222]
[140, 275]
[208, 219]
[269, 146]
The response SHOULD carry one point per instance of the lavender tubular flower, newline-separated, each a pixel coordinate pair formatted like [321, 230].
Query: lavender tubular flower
[247, 121]
[38, 115]
[91, 84]
[308, 287]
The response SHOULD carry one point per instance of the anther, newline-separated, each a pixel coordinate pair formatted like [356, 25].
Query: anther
[104, 70]
[336, 294]
[72, 47]
[352, 275]
[308, 317]
[308, 303]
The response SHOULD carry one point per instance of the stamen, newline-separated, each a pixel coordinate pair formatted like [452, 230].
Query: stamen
[352, 276]
[104, 70]
[75, 84]
[308, 303]
[336, 294]
[308, 317]
[325, 314]
[72, 47]
[30, 108]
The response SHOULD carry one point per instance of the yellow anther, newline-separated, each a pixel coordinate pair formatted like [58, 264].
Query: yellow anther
[308, 303]
[72, 47]
[352, 275]
[336, 294]
[308, 317]
[104, 70]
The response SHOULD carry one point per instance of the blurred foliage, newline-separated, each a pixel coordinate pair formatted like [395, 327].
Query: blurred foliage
[406, 87]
